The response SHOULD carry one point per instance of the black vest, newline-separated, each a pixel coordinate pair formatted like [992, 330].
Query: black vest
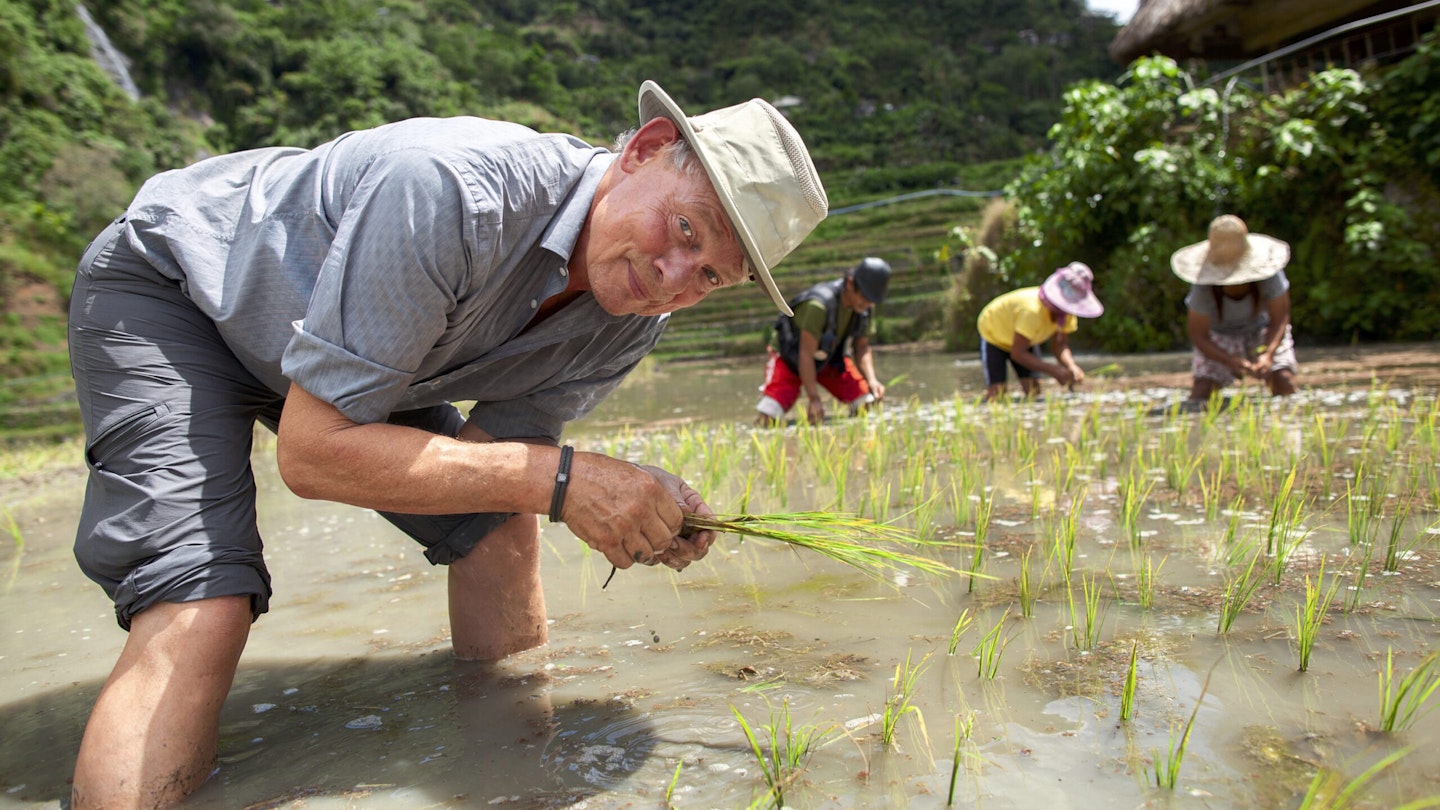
[833, 347]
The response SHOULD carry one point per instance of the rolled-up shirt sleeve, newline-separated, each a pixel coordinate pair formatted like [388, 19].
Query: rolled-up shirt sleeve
[399, 261]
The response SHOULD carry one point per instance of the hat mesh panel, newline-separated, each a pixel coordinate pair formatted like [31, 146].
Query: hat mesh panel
[795, 151]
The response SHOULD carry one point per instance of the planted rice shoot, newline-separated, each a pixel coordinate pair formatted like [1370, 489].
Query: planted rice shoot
[1238, 590]
[1363, 555]
[1132, 678]
[900, 700]
[1026, 587]
[783, 760]
[961, 625]
[1086, 633]
[1146, 577]
[1310, 616]
[1167, 763]
[991, 648]
[963, 732]
[837, 536]
[1328, 791]
[1405, 700]
[1396, 548]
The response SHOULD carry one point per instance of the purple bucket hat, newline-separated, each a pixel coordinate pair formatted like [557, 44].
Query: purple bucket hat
[1069, 290]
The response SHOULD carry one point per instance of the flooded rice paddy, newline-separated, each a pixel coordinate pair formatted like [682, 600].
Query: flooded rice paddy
[1144, 587]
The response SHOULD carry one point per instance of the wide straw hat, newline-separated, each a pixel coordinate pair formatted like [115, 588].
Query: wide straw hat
[762, 172]
[1231, 255]
[1069, 289]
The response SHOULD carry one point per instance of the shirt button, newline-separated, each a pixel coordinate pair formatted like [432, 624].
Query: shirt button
[534, 304]
[564, 273]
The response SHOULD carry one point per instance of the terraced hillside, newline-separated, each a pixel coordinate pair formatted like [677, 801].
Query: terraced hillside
[905, 234]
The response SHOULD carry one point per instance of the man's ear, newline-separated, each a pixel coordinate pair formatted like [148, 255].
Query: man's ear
[650, 138]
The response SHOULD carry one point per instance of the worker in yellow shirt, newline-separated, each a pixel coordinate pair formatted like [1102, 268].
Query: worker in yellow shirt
[1014, 325]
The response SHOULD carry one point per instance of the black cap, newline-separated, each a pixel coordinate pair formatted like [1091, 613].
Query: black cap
[871, 277]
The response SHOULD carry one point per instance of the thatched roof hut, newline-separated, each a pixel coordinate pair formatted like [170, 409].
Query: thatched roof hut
[1232, 29]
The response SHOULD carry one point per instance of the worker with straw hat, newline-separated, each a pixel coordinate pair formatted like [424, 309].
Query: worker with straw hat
[1239, 308]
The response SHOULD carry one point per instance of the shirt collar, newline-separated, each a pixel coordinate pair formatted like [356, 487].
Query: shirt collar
[564, 229]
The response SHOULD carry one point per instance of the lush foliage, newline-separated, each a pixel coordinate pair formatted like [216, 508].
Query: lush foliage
[889, 99]
[1338, 166]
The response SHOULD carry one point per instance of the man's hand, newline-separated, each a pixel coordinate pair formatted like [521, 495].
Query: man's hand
[815, 410]
[1064, 376]
[621, 510]
[878, 389]
[686, 549]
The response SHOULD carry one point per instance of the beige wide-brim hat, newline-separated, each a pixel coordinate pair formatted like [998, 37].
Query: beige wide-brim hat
[762, 172]
[1231, 255]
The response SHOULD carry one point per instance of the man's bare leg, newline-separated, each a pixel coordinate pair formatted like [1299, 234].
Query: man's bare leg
[497, 603]
[153, 735]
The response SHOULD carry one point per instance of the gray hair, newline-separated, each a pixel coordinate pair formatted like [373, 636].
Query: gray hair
[681, 156]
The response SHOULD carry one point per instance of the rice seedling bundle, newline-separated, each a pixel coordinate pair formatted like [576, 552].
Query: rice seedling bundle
[875, 549]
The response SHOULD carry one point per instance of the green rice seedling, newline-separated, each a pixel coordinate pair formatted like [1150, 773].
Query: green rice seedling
[1285, 510]
[773, 458]
[1146, 576]
[877, 498]
[832, 535]
[789, 749]
[1311, 615]
[1132, 678]
[1134, 491]
[1026, 587]
[923, 518]
[1065, 536]
[984, 510]
[1167, 763]
[1238, 590]
[1210, 494]
[899, 702]
[1073, 463]
[991, 648]
[963, 732]
[877, 454]
[1180, 468]
[820, 448]
[1358, 522]
[1328, 792]
[1363, 555]
[1397, 548]
[674, 780]
[1233, 516]
[18, 537]
[913, 476]
[1403, 701]
[961, 625]
[960, 504]
[13, 529]
[977, 562]
[1086, 634]
[1285, 546]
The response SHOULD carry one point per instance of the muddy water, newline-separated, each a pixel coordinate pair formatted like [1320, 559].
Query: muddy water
[347, 696]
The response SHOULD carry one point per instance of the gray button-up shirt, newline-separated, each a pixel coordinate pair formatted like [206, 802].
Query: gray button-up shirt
[398, 267]
[1237, 317]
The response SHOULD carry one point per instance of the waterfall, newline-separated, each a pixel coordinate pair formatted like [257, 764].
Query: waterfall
[110, 59]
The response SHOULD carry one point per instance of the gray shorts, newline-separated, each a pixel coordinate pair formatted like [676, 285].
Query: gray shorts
[169, 412]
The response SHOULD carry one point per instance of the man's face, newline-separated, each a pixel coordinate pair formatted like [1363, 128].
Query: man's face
[854, 299]
[660, 241]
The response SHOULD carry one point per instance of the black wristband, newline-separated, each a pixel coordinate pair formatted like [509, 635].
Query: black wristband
[562, 479]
